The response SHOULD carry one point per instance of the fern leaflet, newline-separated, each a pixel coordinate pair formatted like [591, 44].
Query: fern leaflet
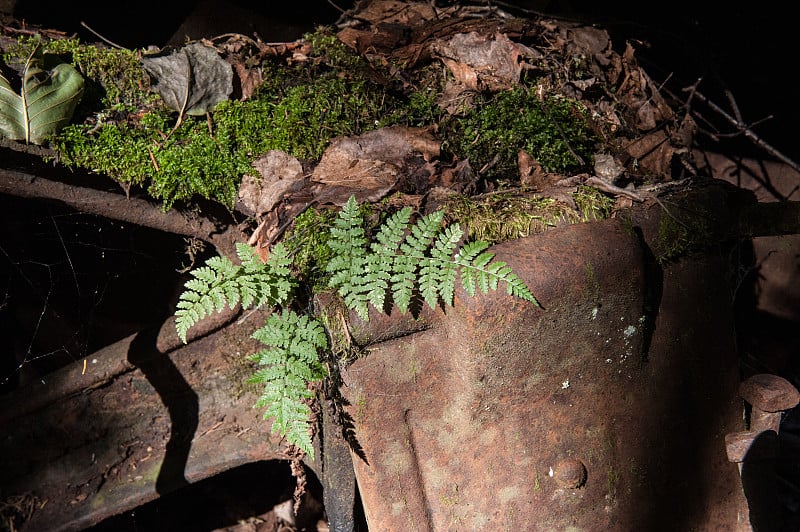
[404, 261]
[291, 361]
[220, 283]
[348, 265]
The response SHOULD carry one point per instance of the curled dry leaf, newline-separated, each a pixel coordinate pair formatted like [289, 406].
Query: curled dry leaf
[368, 165]
[653, 153]
[280, 174]
[607, 167]
[483, 61]
[531, 172]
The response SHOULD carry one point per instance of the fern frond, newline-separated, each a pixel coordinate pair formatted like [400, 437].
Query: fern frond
[478, 271]
[379, 264]
[205, 293]
[291, 361]
[446, 271]
[404, 261]
[219, 282]
[349, 246]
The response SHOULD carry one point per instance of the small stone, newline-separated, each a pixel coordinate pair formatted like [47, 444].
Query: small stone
[570, 473]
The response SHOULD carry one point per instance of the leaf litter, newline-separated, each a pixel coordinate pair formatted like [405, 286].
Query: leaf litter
[462, 54]
[485, 51]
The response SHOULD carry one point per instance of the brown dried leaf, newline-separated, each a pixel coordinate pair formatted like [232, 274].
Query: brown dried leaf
[280, 174]
[607, 167]
[482, 61]
[459, 178]
[531, 172]
[249, 79]
[638, 92]
[368, 165]
[396, 12]
[595, 42]
[653, 153]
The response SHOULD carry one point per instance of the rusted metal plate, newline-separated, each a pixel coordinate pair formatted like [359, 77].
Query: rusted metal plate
[631, 371]
[121, 440]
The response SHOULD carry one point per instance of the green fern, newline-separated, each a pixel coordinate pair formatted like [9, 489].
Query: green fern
[220, 282]
[404, 262]
[424, 259]
[291, 361]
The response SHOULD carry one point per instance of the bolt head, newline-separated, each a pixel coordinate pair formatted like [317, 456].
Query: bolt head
[570, 473]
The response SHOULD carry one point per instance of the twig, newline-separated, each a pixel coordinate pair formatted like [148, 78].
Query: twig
[117, 207]
[744, 129]
[108, 42]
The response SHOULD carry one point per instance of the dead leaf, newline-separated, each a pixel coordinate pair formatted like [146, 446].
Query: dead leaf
[280, 174]
[607, 167]
[595, 42]
[192, 79]
[369, 165]
[531, 172]
[396, 12]
[653, 153]
[638, 92]
[459, 178]
[456, 98]
[249, 79]
[481, 61]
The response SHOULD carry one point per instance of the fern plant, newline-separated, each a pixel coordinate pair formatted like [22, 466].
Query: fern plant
[400, 263]
[405, 262]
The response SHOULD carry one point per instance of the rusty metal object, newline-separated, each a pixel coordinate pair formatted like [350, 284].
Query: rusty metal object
[756, 451]
[143, 423]
[632, 367]
[769, 396]
[570, 473]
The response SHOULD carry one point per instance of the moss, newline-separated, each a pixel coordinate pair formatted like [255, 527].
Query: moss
[300, 120]
[553, 130]
[679, 236]
[505, 216]
[299, 109]
[114, 78]
[419, 109]
[593, 204]
[189, 162]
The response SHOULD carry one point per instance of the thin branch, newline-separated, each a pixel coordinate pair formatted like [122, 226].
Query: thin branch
[117, 207]
[108, 42]
[744, 129]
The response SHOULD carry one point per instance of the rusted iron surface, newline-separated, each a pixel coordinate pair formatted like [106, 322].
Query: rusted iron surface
[630, 371]
[769, 393]
[162, 422]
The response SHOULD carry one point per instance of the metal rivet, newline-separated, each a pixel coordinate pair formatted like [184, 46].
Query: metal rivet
[570, 473]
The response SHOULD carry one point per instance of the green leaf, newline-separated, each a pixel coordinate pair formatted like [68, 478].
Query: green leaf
[291, 361]
[46, 101]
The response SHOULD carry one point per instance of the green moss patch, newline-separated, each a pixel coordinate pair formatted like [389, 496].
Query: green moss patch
[553, 130]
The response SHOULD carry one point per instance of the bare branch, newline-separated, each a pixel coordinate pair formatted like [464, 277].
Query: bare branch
[743, 128]
[118, 207]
